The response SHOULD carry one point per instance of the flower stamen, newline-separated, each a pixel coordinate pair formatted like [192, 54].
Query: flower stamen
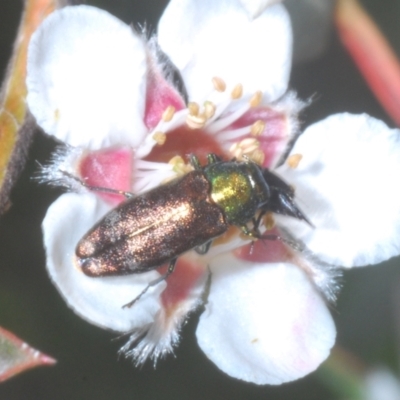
[149, 174]
[256, 99]
[257, 128]
[193, 108]
[168, 114]
[233, 134]
[257, 156]
[196, 121]
[237, 92]
[159, 137]
[223, 123]
[248, 148]
[293, 161]
[179, 166]
[219, 84]
[209, 109]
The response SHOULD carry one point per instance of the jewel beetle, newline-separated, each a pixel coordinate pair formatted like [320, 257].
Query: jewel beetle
[189, 212]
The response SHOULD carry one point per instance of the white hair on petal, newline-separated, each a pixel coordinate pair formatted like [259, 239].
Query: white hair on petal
[156, 340]
[326, 277]
[61, 169]
[149, 342]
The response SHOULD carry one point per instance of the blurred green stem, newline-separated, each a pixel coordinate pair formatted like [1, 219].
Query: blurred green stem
[344, 374]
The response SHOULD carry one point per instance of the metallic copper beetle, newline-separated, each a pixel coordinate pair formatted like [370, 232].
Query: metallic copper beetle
[156, 227]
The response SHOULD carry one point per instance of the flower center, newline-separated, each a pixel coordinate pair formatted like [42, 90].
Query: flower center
[184, 141]
[222, 124]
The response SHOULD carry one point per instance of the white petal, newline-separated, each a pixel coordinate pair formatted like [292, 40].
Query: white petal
[346, 185]
[98, 300]
[256, 7]
[264, 323]
[86, 78]
[381, 384]
[217, 38]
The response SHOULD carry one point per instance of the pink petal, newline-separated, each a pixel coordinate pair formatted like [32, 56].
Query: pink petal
[160, 94]
[279, 129]
[111, 168]
[266, 251]
[186, 276]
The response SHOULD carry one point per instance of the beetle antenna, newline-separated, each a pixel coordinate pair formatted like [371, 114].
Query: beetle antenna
[128, 195]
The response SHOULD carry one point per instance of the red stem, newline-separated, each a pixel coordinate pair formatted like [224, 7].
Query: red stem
[372, 54]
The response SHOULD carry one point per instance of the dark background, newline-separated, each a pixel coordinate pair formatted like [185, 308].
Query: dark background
[367, 313]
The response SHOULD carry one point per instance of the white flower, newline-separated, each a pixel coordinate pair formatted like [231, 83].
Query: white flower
[381, 384]
[99, 87]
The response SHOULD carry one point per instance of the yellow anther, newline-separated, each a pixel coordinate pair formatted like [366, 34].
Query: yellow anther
[193, 108]
[233, 147]
[219, 84]
[248, 149]
[179, 166]
[269, 221]
[176, 163]
[257, 156]
[249, 144]
[257, 128]
[237, 92]
[256, 99]
[293, 161]
[195, 121]
[176, 160]
[168, 113]
[209, 109]
[57, 114]
[159, 137]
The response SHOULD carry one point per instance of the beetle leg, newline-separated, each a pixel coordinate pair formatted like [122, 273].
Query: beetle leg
[257, 221]
[246, 231]
[203, 249]
[195, 163]
[128, 195]
[255, 234]
[170, 270]
[213, 158]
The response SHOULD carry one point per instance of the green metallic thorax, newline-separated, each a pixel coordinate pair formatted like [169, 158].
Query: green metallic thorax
[238, 188]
